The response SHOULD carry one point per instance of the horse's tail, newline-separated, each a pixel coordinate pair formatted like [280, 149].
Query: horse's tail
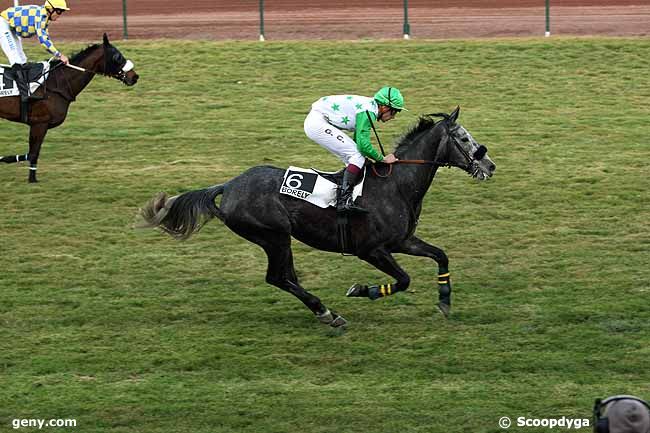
[182, 215]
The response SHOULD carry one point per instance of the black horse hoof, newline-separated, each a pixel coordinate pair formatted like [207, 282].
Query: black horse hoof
[332, 319]
[445, 309]
[357, 291]
[339, 322]
[327, 317]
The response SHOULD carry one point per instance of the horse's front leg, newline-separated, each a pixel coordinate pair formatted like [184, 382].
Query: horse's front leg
[382, 260]
[417, 247]
[36, 136]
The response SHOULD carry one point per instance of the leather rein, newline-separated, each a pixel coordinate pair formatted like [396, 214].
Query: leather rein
[71, 97]
[434, 163]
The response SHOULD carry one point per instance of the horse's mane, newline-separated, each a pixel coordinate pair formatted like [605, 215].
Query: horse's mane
[74, 59]
[83, 53]
[424, 123]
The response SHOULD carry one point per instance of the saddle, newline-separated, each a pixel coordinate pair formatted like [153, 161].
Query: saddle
[332, 176]
[23, 75]
[29, 72]
[337, 176]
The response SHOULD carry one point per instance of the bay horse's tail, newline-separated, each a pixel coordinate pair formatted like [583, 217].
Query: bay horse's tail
[182, 215]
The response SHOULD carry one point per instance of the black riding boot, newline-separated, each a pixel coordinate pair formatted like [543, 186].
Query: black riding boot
[23, 88]
[344, 202]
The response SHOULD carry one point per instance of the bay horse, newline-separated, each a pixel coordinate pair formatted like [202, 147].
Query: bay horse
[252, 207]
[60, 90]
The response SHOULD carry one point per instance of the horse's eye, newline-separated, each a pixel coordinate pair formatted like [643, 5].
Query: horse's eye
[465, 139]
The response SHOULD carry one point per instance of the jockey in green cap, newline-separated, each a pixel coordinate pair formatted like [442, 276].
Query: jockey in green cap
[331, 114]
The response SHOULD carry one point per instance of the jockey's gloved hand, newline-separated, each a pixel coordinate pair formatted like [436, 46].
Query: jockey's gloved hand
[389, 159]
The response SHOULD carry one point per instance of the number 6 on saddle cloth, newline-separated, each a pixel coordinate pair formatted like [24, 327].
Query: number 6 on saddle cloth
[315, 187]
[320, 188]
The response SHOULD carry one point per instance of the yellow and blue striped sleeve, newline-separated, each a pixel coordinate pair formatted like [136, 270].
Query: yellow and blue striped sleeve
[44, 36]
[44, 39]
[28, 21]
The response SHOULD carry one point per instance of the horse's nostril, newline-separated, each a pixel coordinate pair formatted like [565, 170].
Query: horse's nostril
[492, 167]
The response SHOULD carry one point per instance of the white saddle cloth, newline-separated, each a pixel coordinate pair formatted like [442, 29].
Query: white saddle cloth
[306, 184]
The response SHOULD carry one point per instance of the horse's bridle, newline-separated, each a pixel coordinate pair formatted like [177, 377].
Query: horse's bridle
[471, 159]
[478, 154]
[124, 69]
[471, 167]
[119, 75]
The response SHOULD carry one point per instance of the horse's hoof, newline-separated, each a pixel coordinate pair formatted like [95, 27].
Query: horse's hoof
[356, 291]
[338, 322]
[332, 319]
[445, 309]
[326, 318]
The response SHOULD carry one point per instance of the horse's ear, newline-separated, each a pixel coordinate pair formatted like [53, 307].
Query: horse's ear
[454, 115]
[106, 39]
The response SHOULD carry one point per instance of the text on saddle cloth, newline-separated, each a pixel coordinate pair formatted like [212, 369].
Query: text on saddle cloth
[306, 184]
[8, 86]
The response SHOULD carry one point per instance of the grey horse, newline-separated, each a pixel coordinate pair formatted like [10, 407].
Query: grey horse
[252, 207]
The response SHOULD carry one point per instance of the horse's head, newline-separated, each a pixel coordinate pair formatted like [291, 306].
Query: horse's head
[463, 151]
[116, 66]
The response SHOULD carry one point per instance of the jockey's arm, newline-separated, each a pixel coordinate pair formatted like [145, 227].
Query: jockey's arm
[362, 136]
[44, 39]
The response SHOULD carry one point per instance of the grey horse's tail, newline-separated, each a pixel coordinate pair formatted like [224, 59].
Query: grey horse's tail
[181, 215]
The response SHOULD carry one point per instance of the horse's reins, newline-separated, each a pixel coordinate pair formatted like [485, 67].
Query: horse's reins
[76, 68]
[399, 161]
[69, 97]
[55, 67]
[470, 159]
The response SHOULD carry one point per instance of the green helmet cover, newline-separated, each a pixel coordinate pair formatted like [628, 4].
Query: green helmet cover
[390, 97]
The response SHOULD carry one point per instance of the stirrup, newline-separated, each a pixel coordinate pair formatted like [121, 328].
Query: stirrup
[345, 202]
[349, 207]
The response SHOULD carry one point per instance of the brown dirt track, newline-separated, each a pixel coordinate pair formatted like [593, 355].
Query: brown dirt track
[334, 19]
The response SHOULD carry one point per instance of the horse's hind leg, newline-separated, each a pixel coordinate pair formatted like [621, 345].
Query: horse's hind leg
[386, 263]
[417, 247]
[14, 158]
[36, 136]
[11, 159]
[281, 273]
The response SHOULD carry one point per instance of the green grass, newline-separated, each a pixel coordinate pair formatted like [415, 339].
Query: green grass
[130, 331]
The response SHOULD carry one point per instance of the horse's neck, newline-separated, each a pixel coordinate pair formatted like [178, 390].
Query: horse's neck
[91, 59]
[94, 62]
[414, 180]
[424, 146]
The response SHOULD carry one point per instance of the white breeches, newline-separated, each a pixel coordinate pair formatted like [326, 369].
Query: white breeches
[11, 44]
[333, 139]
